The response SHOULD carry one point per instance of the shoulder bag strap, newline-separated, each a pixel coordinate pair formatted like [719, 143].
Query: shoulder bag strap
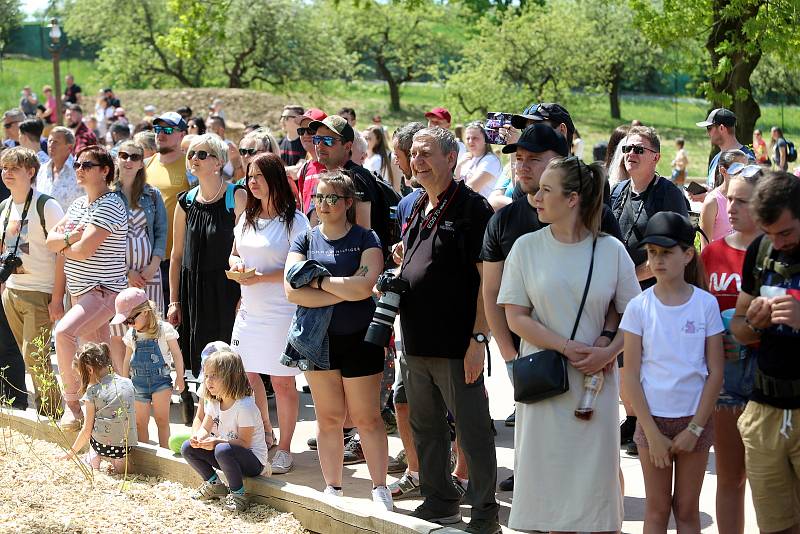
[585, 292]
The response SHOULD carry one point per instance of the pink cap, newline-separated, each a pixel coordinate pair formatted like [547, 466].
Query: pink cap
[439, 113]
[314, 114]
[126, 301]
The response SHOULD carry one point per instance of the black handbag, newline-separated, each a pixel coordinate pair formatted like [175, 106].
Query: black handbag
[543, 374]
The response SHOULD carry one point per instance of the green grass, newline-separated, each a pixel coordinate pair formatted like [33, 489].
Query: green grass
[590, 112]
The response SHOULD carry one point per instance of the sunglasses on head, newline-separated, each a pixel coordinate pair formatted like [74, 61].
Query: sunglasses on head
[636, 149]
[124, 156]
[327, 140]
[132, 319]
[201, 154]
[163, 129]
[248, 151]
[330, 199]
[746, 170]
[86, 165]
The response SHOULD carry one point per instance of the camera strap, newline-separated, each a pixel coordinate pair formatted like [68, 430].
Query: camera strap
[21, 221]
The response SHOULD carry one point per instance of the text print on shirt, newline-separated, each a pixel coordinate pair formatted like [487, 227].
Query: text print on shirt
[722, 283]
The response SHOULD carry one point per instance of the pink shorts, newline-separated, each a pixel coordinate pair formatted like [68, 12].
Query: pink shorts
[671, 427]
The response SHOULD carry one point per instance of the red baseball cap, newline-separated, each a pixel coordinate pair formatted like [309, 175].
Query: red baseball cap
[439, 113]
[313, 114]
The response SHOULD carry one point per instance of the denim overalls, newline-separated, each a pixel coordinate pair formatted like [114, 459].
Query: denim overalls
[149, 371]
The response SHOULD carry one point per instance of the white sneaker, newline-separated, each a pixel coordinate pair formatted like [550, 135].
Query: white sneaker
[282, 462]
[330, 490]
[382, 496]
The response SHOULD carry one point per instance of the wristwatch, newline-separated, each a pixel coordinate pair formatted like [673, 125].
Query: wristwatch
[610, 334]
[480, 337]
[753, 328]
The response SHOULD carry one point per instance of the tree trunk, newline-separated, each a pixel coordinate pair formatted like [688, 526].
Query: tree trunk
[613, 94]
[394, 95]
[736, 82]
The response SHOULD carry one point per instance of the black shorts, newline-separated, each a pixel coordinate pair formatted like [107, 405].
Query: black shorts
[354, 357]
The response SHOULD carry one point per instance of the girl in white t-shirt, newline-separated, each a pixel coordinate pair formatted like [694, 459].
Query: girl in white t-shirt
[151, 345]
[674, 366]
[480, 167]
[231, 437]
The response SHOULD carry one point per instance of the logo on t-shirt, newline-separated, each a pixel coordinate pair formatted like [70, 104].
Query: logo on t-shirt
[721, 282]
[691, 328]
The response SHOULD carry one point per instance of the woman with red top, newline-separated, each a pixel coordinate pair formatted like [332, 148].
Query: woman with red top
[723, 261]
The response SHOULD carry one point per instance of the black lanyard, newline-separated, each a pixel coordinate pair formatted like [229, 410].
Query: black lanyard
[626, 206]
[432, 219]
[21, 220]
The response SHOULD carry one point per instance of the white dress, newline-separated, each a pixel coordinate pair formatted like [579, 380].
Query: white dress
[566, 470]
[262, 323]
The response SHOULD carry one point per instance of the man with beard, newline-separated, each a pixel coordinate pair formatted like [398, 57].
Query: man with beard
[84, 137]
[166, 171]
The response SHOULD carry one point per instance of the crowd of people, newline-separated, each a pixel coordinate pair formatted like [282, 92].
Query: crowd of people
[176, 255]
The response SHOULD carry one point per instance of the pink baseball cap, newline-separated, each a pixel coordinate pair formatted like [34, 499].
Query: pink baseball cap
[439, 113]
[126, 301]
[313, 114]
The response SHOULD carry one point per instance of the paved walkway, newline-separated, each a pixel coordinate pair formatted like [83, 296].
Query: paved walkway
[357, 483]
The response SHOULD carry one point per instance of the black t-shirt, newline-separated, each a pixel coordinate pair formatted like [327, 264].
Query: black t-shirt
[519, 218]
[633, 210]
[438, 313]
[71, 93]
[778, 351]
[367, 191]
[291, 151]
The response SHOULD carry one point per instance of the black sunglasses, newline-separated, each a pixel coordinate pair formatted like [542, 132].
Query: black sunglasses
[8, 125]
[305, 131]
[86, 165]
[637, 149]
[330, 199]
[124, 156]
[132, 319]
[201, 154]
[248, 151]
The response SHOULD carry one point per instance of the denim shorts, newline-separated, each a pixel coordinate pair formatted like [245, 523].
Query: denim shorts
[737, 384]
[149, 383]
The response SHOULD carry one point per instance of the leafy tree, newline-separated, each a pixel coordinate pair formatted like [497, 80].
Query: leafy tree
[10, 18]
[736, 34]
[400, 43]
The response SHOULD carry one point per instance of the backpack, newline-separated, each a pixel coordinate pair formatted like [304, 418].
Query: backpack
[389, 199]
[791, 151]
[40, 202]
[765, 262]
[230, 191]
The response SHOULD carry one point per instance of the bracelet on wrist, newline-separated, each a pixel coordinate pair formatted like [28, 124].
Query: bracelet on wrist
[66, 239]
[176, 303]
[752, 327]
[564, 350]
[610, 334]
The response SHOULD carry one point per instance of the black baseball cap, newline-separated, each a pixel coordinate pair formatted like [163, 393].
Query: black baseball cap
[667, 229]
[722, 116]
[540, 138]
[555, 113]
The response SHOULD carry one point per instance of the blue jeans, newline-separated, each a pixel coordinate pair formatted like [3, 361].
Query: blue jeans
[235, 461]
[738, 379]
[149, 371]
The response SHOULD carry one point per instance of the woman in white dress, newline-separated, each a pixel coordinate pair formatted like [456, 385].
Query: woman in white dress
[262, 237]
[543, 282]
[480, 168]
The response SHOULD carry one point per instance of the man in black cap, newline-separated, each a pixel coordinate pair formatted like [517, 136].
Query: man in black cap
[537, 146]
[555, 115]
[721, 128]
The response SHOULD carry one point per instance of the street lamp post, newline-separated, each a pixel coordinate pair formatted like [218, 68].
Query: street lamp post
[55, 50]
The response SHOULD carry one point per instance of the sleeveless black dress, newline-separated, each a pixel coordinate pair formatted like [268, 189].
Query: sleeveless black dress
[208, 299]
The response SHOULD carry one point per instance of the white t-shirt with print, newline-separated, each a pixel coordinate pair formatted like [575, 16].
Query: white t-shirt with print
[38, 264]
[243, 413]
[166, 333]
[674, 367]
[475, 166]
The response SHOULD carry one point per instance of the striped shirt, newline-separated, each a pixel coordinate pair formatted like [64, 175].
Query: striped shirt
[107, 267]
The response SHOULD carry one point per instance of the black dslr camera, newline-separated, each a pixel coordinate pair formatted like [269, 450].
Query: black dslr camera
[380, 329]
[9, 263]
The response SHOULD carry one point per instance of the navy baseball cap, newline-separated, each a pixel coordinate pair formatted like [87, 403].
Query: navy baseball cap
[173, 119]
[540, 137]
[722, 116]
[667, 229]
[550, 111]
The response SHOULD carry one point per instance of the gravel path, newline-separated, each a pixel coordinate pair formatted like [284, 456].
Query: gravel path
[42, 494]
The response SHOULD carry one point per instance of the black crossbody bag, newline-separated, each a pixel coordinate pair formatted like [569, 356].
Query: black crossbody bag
[543, 374]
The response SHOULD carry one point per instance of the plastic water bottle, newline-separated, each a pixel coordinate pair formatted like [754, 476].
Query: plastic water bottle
[592, 384]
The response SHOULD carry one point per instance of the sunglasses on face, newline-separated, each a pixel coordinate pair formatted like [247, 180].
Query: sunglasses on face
[287, 117]
[304, 131]
[8, 125]
[327, 140]
[636, 149]
[201, 154]
[132, 319]
[330, 199]
[248, 151]
[86, 165]
[163, 129]
[124, 156]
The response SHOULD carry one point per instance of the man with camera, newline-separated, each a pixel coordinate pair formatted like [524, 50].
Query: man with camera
[445, 350]
[34, 279]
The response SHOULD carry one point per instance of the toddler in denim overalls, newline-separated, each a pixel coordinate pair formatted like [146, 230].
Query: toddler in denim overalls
[150, 346]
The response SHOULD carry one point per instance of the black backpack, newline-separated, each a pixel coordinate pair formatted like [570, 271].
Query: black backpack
[791, 151]
[389, 199]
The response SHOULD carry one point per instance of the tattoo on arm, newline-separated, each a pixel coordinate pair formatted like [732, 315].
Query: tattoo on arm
[362, 271]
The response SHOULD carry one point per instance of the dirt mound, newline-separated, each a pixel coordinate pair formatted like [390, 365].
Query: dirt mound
[241, 106]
